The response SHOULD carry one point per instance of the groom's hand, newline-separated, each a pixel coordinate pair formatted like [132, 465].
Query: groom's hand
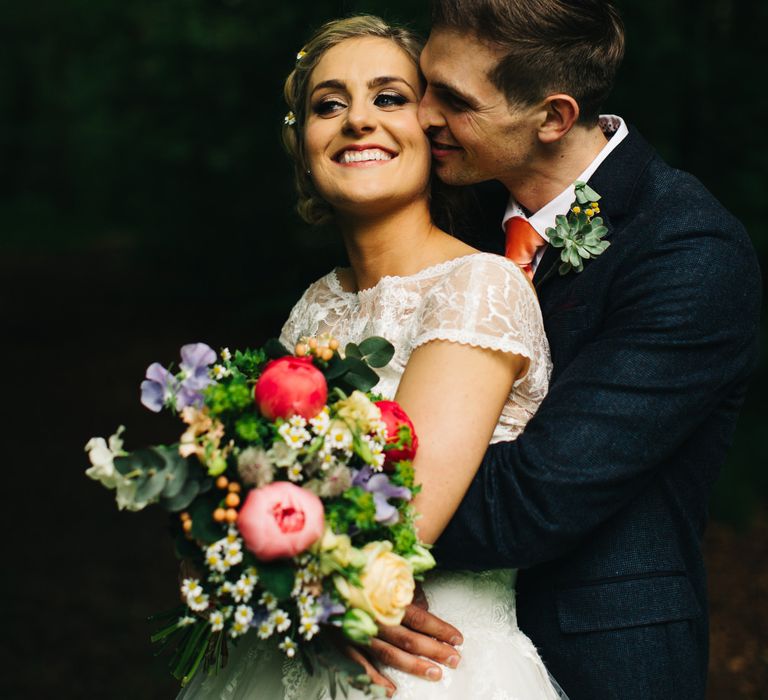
[418, 644]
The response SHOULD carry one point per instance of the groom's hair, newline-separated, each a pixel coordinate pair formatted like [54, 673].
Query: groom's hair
[550, 46]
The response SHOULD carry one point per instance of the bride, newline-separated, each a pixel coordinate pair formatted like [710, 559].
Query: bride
[471, 363]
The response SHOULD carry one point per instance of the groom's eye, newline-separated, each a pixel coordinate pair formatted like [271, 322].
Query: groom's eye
[390, 99]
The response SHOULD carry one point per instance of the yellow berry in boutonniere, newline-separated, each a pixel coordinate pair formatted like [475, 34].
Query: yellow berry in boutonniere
[590, 212]
[576, 210]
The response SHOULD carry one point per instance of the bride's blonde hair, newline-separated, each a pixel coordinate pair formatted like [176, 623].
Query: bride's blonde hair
[311, 207]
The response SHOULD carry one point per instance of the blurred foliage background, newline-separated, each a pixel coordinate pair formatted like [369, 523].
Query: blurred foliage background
[145, 201]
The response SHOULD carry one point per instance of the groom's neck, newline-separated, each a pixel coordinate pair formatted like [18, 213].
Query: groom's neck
[554, 167]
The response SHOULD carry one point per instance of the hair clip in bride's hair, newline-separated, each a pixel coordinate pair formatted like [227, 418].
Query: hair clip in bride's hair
[300, 55]
[289, 119]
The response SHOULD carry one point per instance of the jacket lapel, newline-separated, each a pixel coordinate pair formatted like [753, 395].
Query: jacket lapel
[614, 181]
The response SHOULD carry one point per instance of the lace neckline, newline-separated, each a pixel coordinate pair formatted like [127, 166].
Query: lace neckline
[335, 286]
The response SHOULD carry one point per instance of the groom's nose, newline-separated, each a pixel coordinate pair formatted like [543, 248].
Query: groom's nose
[430, 116]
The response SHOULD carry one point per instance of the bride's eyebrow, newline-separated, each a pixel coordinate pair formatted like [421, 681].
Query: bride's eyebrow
[373, 83]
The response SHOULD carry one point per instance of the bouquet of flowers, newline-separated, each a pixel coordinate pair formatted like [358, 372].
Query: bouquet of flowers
[289, 491]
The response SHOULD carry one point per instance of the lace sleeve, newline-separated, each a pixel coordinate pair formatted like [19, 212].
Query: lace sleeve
[486, 302]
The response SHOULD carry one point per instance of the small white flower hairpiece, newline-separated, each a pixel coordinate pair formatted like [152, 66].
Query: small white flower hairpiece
[289, 119]
[300, 55]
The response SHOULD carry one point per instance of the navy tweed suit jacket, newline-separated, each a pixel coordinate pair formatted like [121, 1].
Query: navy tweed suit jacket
[602, 501]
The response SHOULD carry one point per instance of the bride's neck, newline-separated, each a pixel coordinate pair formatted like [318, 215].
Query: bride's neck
[398, 242]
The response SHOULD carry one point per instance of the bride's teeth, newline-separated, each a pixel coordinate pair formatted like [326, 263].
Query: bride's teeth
[367, 155]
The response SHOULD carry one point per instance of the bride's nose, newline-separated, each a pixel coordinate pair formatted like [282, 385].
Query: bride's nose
[360, 118]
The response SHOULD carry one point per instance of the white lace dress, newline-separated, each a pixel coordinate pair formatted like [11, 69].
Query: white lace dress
[481, 300]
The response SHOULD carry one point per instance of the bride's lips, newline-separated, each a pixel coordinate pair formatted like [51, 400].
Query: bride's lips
[361, 155]
[441, 150]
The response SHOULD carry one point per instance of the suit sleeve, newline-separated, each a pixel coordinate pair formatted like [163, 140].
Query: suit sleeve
[678, 337]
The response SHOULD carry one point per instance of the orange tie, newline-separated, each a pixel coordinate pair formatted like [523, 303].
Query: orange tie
[522, 243]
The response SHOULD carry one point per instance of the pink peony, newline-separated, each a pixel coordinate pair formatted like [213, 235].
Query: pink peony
[394, 418]
[291, 386]
[280, 520]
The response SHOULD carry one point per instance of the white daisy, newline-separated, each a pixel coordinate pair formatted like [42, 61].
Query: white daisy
[244, 614]
[225, 588]
[220, 371]
[198, 602]
[243, 591]
[294, 472]
[294, 436]
[266, 629]
[268, 600]
[281, 620]
[339, 437]
[308, 627]
[321, 422]
[190, 586]
[297, 421]
[237, 629]
[217, 621]
[289, 647]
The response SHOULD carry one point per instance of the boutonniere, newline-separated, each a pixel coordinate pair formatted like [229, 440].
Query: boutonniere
[580, 233]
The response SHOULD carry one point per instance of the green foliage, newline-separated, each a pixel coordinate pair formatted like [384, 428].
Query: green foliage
[250, 362]
[404, 537]
[374, 351]
[355, 507]
[227, 396]
[250, 428]
[277, 579]
[404, 475]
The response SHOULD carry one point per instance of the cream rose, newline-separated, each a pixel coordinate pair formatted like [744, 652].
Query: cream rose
[387, 588]
[358, 411]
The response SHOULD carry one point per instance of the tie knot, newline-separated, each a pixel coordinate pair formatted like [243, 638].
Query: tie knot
[523, 241]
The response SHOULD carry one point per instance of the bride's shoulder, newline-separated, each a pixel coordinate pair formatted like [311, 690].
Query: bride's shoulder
[479, 270]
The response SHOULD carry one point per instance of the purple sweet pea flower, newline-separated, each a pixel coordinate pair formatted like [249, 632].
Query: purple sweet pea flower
[195, 361]
[159, 387]
[328, 608]
[382, 489]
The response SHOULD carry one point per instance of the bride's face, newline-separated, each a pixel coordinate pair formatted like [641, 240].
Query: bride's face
[364, 145]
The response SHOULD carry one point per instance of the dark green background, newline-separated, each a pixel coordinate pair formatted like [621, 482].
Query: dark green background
[145, 201]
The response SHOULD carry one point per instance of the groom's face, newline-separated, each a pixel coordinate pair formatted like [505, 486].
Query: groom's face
[476, 134]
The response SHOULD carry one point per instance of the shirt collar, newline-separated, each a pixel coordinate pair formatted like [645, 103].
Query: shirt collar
[615, 131]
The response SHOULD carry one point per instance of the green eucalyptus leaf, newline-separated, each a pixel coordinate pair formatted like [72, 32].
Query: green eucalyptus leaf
[336, 368]
[189, 491]
[352, 350]
[204, 528]
[377, 351]
[278, 579]
[144, 459]
[151, 487]
[362, 378]
[177, 472]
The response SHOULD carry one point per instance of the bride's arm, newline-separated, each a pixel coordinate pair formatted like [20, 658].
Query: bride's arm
[454, 394]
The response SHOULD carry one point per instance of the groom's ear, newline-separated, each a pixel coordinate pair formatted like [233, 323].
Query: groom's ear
[561, 112]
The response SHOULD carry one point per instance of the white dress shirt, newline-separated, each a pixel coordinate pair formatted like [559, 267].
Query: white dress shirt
[615, 131]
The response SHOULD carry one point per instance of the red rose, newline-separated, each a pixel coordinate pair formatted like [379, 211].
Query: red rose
[395, 418]
[291, 386]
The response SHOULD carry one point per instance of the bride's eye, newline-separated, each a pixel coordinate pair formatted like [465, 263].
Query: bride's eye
[328, 106]
[390, 99]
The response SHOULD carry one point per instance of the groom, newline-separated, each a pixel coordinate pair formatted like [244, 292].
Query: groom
[602, 501]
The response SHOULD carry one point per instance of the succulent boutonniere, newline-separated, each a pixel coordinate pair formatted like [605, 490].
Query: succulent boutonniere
[580, 233]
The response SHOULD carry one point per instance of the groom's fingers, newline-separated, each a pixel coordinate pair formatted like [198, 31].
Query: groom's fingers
[371, 671]
[420, 620]
[420, 645]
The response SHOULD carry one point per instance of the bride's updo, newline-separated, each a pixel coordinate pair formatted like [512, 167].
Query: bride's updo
[311, 207]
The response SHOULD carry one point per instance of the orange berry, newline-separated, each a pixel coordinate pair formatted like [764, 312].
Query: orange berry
[219, 515]
[326, 354]
[301, 349]
[184, 516]
[333, 344]
[187, 526]
[312, 342]
[234, 487]
[232, 500]
[222, 482]
[231, 515]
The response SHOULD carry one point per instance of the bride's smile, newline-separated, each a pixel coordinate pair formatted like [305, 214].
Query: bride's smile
[364, 145]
